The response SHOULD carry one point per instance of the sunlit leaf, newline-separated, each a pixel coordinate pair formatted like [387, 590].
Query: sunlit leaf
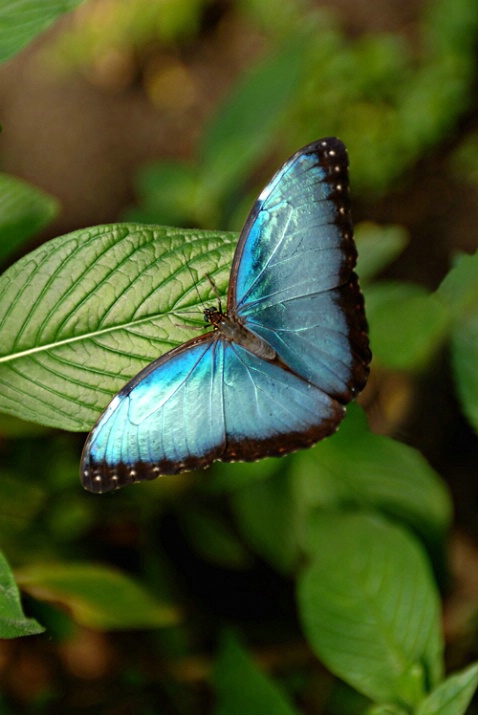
[85, 312]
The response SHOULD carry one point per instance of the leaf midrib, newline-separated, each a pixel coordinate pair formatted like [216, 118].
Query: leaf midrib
[78, 338]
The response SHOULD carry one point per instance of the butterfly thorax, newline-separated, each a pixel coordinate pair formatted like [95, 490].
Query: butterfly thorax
[234, 332]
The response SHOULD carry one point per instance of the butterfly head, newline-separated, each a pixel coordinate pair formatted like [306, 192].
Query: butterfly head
[213, 316]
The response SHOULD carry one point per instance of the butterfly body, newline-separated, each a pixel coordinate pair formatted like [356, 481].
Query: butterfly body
[280, 363]
[233, 331]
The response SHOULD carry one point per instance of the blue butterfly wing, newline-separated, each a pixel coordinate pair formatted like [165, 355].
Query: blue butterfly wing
[293, 285]
[270, 411]
[292, 278]
[166, 420]
[209, 399]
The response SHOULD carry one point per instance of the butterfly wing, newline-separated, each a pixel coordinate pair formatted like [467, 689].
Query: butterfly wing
[209, 399]
[270, 411]
[292, 283]
[167, 419]
[292, 280]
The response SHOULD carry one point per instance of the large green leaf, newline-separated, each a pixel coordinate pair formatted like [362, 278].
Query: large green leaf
[22, 20]
[85, 312]
[241, 688]
[23, 211]
[370, 609]
[13, 622]
[97, 596]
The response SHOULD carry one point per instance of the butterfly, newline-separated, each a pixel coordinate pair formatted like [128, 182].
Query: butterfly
[279, 365]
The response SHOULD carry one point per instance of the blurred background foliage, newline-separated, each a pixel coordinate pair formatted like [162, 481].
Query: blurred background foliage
[177, 112]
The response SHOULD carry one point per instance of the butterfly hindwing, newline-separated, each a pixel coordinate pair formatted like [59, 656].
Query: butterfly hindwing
[166, 420]
[204, 401]
[270, 411]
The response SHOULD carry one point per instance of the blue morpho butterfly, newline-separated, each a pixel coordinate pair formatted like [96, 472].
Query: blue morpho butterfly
[275, 372]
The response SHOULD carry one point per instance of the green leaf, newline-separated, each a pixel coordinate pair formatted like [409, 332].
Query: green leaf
[242, 688]
[459, 289]
[353, 469]
[453, 696]
[24, 210]
[22, 20]
[387, 710]
[170, 193]
[359, 469]
[212, 537]
[85, 312]
[13, 622]
[464, 355]
[459, 293]
[98, 596]
[243, 130]
[370, 609]
[406, 324]
[378, 246]
[19, 503]
[237, 476]
[269, 515]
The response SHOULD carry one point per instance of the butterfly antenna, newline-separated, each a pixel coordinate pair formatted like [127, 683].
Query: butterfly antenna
[216, 292]
[195, 284]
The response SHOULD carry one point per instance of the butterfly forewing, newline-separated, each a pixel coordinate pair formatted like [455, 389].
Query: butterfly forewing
[166, 420]
[294, 283]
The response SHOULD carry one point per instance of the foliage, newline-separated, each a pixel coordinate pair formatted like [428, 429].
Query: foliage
[359, 524]
[389, 107]
[104, 29]
[23, 211]
[14, 623]
[22, 20]
[85, 304]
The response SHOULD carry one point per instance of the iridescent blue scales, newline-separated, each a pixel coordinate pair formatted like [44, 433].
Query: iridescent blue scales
[278, 367]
